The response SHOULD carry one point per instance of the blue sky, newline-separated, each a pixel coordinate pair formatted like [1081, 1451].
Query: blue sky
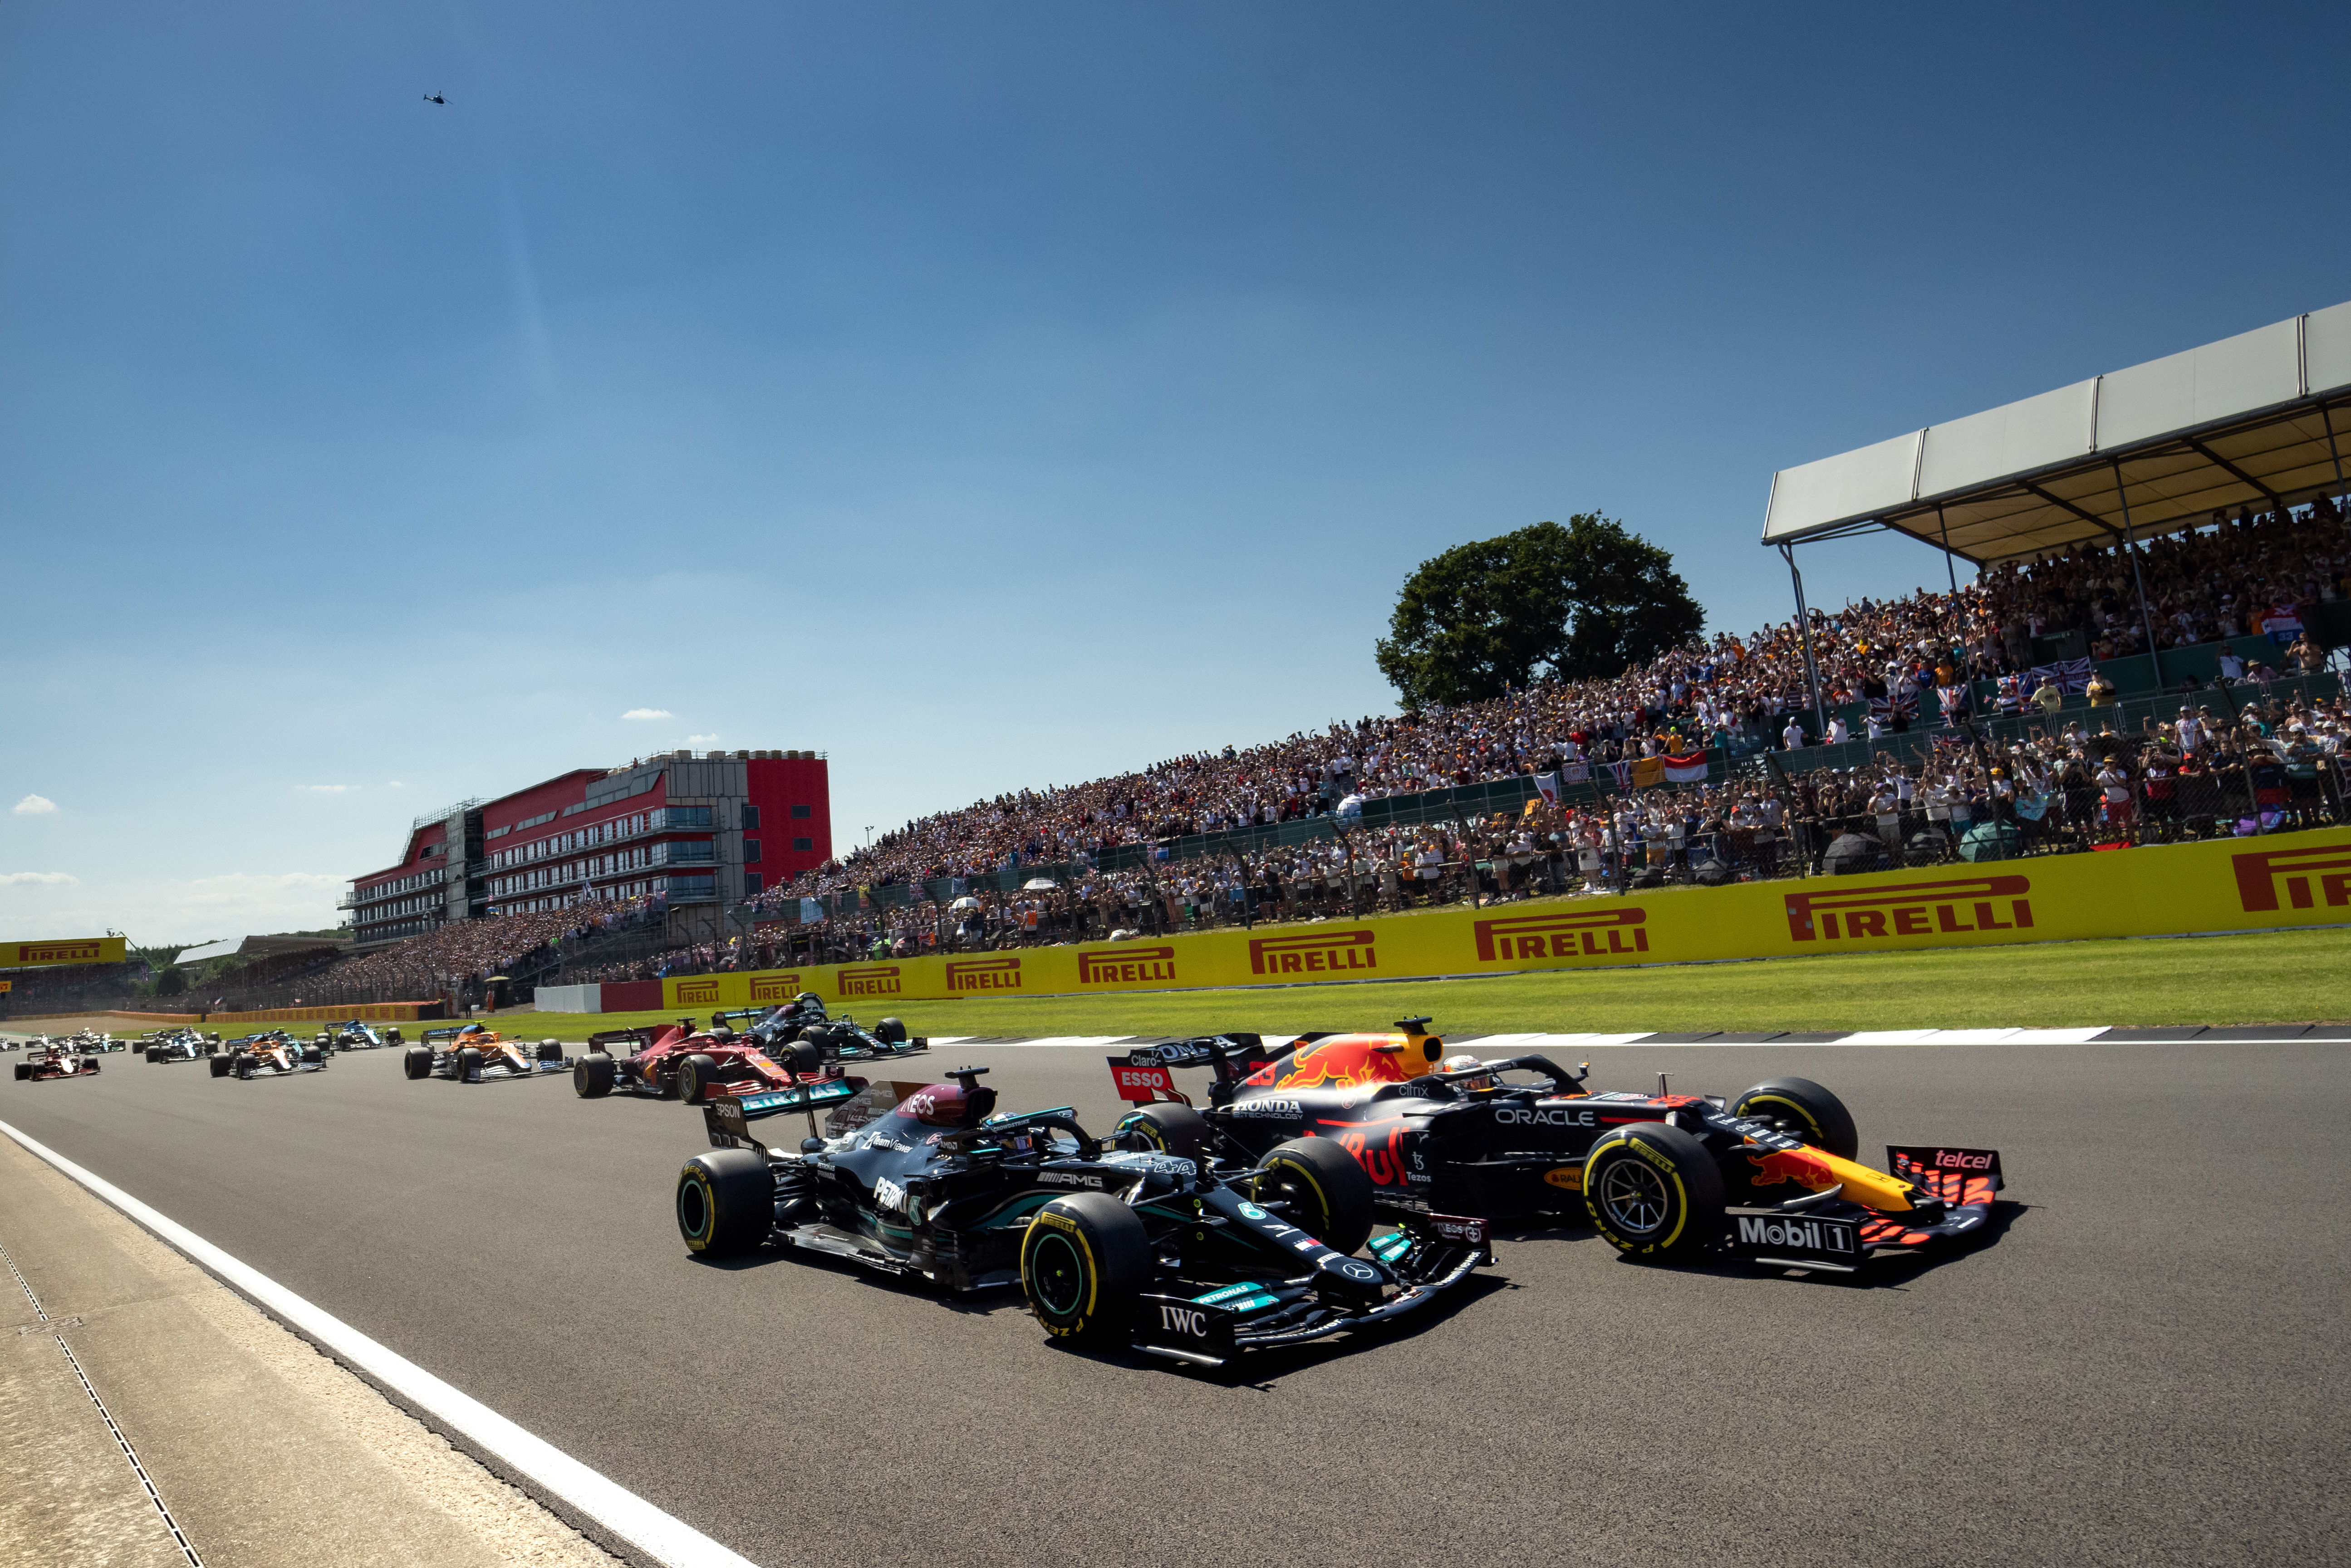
[988, 396]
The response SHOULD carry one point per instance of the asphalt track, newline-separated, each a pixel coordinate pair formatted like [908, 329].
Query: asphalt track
[2148, 1364]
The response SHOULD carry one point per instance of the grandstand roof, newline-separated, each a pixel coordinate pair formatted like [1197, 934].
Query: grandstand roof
[2262, 419]
[259, 948]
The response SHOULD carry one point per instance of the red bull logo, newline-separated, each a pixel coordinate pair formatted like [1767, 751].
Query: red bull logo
[1346, 1061]
[984, 973]
[1584, 934]
[2309, 877]
[1126, 966]
[1381, 1161]
[1323, 953]
[876, 980]
[694, 993]
[1950, 908]
[1805, 1167]
[775, 988]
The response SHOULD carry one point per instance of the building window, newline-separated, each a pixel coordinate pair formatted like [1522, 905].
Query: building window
[750, 818]
[750, 852]
[752, 885]
[803, 845]
[800, 813]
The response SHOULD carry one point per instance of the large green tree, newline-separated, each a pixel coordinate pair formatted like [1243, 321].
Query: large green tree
[1581, 601]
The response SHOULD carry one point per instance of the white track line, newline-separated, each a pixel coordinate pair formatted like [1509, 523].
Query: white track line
[667, 1541]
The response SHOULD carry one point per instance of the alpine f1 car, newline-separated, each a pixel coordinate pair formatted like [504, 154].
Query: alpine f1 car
[798, 1035]
[271, 1054]
[477, 1054]
[1111, 1247]
[358, 1035]
[54, 1059]
[178, 1045]
[1772, 1176]
[680, 1062]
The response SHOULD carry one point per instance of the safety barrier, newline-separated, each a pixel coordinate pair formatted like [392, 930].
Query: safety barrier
[2240, 884]
[374, 1013]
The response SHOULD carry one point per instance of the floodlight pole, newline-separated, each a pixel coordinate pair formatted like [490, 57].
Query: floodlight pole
[1949, 567]
[1804, 634]
[2130, 548]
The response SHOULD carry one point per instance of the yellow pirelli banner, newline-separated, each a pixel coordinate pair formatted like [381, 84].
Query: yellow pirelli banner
[60, 950]
[2241, 884]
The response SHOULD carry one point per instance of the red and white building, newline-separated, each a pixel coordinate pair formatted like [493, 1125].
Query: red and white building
[696, 832]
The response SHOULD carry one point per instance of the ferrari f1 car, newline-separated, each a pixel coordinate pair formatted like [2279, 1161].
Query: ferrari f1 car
[1111, 1247]
[680, 1062]
[272, 1054]
[1772, 1176]
[477, 1054]
[358, 1035]
[798, 1035]
[54, 1059]
[178, 1045]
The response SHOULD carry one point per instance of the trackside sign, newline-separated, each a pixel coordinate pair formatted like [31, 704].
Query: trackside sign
[2280, 880]
[61, 950]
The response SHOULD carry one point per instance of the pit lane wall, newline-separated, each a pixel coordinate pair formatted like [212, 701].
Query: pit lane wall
[2243, 885]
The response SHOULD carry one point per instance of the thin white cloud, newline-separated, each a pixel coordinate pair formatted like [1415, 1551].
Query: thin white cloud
[700, 739]
[647, 713]
[327, 789]
[395, 784]
[36, 806]
[36, 878]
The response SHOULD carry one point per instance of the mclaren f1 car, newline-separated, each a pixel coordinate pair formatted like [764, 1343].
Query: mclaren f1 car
[271, 1054]
[54, 1059]
[1772, 1176]
[682, 1061]
[1115, 1246]
[474, 1053]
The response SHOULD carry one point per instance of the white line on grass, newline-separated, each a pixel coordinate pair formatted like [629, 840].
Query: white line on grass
[667, 1541]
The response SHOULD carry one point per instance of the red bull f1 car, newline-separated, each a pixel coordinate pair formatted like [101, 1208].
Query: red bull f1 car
[682, 1061]
[478, 1054]
[1129, 1247]
[1772, 1176]
[54, 1059]
[271, 1054]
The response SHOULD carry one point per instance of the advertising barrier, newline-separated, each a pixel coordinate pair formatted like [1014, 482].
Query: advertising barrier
[374, 1013]
[2239, 884]
[61, 950]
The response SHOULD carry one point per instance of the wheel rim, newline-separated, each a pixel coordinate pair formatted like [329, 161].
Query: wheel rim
[1057, 1276]
[1634, 1197]
[693, 1209]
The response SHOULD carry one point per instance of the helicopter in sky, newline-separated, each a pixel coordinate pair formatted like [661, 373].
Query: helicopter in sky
[434, 98]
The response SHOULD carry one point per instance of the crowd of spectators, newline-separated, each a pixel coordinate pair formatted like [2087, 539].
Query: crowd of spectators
[457, 960]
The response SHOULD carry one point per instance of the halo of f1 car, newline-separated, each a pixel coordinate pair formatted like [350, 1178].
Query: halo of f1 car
[54, 1059]
[1196, 1260]
[476, 1053]
[272, 1053]
[1772, 1176]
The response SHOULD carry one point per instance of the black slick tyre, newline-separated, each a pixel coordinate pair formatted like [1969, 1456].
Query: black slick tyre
[469, 1064]
[726, 1202]
[1168, 1129]
[696, 1074]
[550, 1050]
[1084, 1260]
[155, 1054]
[1653, 1191]
[1326, 1194]
[417, 1061]
[219, 1065]
[1803, 1110]
[891, 1032]
[592, 1075]
[24, 1071]
[802, 1057]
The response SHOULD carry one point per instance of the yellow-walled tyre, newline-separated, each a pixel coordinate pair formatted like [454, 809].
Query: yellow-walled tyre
[1321, 1189]
[1803, 1110]
[593, 1074]
[1084, 1260]
[1165, 1128]
[1653, 1191]
[726, 1202]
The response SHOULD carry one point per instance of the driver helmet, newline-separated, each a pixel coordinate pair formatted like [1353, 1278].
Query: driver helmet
[809, 999]
[1462, 1062]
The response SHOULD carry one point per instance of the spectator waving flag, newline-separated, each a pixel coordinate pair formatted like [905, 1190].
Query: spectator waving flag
[1689, 769]
[1547, 786]
[2072, 676]
[1901, 701]
[1622, 772]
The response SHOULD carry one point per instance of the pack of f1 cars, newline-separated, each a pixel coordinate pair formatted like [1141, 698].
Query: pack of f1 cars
[358, 1035]
[1113, 1247]
[682, 1061]
[178, 1045]
[474, 1053]
[800, 1035]
[1772, 1176]
[54, 1059]
[272, 1053]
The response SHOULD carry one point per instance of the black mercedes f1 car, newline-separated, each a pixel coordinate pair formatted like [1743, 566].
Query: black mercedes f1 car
[800, 1036]
[1772, 1176]
[178, 1045]
[1116, 1247]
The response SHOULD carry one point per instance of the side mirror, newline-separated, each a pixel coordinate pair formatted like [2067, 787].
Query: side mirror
[812, 1145]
